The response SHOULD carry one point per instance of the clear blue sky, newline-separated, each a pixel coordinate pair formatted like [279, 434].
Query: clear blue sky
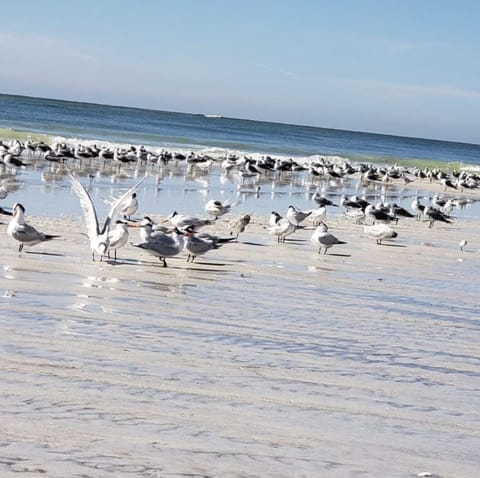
[406, 67]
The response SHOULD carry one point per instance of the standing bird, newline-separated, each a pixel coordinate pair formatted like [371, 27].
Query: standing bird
[239, 224]
[296, 216]
[163, 245]
[218, 208]
[147, 228]
[275, 217]
[322, 200]
[129, 206]
[282, 229]
[99, 238]
[432, 214]
[321, 238]
[180, 221]
[379, 232]
[22, 232]
[417, 208]
[199, 245]
[117, 237]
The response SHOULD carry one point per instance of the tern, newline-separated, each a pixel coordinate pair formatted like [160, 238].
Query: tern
[199, 245]
[296, 216]
[129, 206]
[22, 232]
[117, 237]
[218, 208]
[99, 237]
[322, 239]
[147, 228]
[282, 229]
[180, 221]
[163, 245]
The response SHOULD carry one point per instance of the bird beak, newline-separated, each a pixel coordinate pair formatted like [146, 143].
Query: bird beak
[7, 213]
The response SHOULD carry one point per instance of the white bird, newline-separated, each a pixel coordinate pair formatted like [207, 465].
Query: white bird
[147, 228]
[417, 208]
[282, 229]
[163, 245]
[3, 191]
[117, 237]
[462, 244]
[22, 232]
[275, 217]
[322, 239]
[296, 216]
[99, 240]
[129, 206]
[218, 208]
[318, 215]
[379, 232]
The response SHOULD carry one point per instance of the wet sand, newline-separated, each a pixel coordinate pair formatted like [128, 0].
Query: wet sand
[260, 359]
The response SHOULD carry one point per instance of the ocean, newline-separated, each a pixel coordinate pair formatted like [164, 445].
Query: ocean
[54, 121]
[24, 117]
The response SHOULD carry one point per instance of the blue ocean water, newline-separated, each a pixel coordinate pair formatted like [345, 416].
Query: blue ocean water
[153, 128]
[44, 187]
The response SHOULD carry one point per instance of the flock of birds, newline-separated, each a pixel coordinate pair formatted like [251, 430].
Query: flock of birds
[161, 241]
[182, 233]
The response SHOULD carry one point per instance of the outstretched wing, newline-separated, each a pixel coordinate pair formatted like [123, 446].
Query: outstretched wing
[118, 204]
[88, 208]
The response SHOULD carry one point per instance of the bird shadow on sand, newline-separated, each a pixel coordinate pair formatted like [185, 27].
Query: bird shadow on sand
[253, 243]
[392, 245]
[335, 254]
[213, 264]
[43, 253]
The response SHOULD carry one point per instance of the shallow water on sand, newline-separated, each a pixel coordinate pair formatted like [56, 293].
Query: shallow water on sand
[261, 359]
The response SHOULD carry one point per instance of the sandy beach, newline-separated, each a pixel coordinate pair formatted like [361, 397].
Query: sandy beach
[258, 360]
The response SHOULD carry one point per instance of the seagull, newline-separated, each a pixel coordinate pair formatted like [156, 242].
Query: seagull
[354, 202]
[163, 245]
[462, 244]
[22, 232]
[99, 240]
[218, 208]
[432, 214]
[117, 237]
[322, 200]
[296, 216]
[238, 225]
[379, 232]
[378, 214]
[417, 208]
[321, 238]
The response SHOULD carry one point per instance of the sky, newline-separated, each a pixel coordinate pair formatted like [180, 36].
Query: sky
[401, 67]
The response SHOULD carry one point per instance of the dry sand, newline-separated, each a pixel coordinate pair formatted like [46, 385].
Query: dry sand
[261, 359]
